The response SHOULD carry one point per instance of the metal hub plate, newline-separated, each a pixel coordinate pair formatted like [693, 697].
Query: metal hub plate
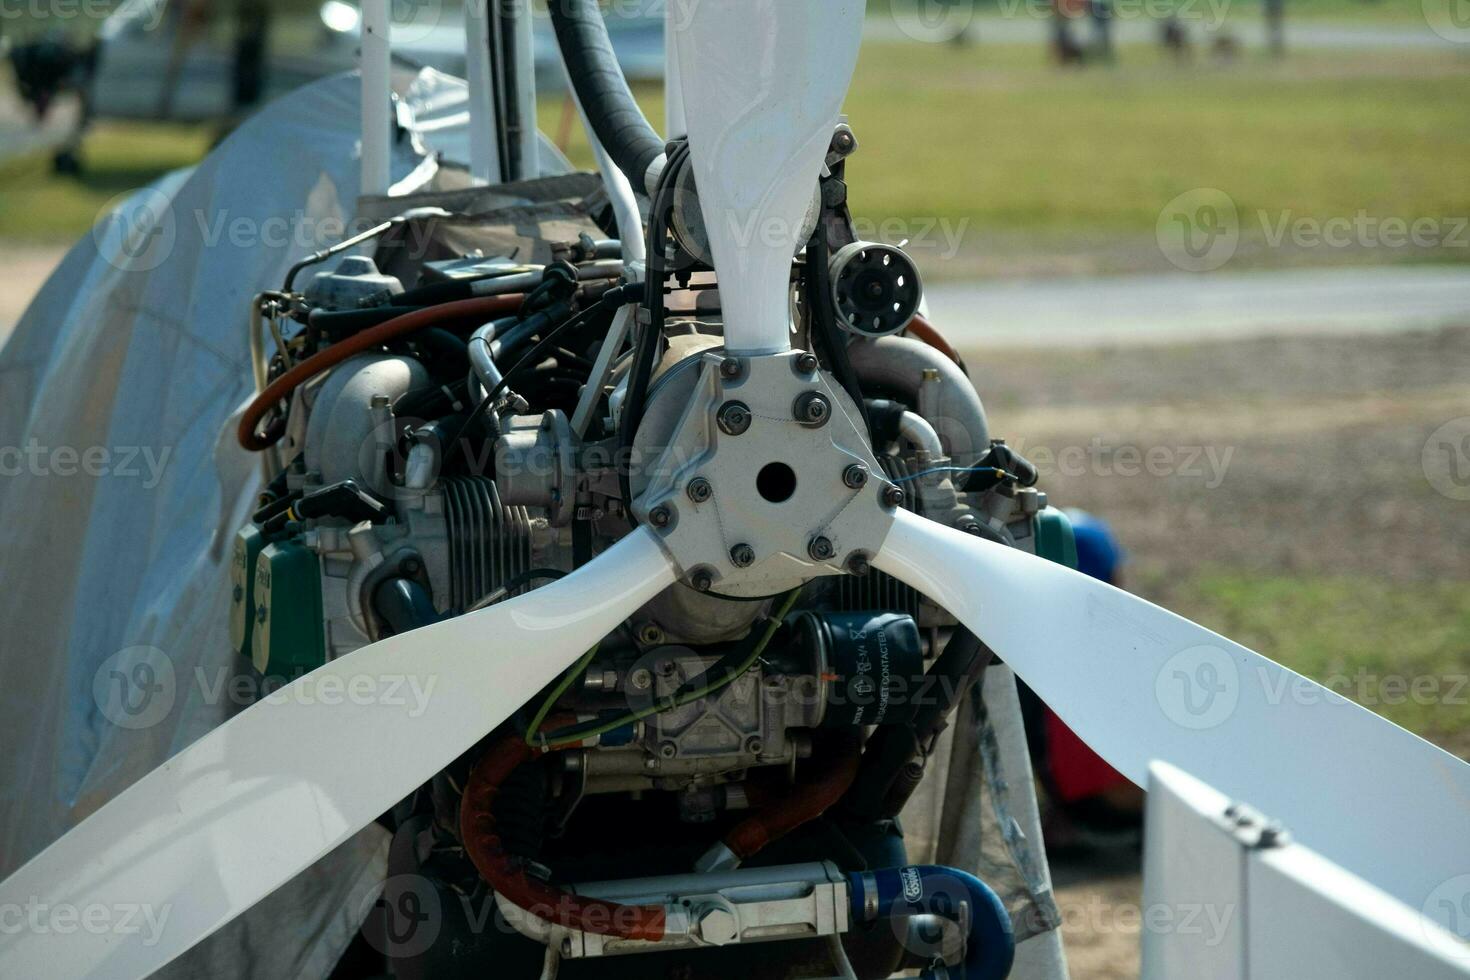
[774, 486]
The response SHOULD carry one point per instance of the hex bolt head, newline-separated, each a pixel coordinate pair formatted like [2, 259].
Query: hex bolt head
[892, 496]
[806, 363]
[703, 580]
[668, 750]
[700, 490]
[855, 477]
[742, 556]
[730, 368]
[812, 409]
[660, 517]
[733, 418]
[821, 549]
[857, 564]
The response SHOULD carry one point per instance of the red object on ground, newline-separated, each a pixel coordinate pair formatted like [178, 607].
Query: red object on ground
[1077, 772]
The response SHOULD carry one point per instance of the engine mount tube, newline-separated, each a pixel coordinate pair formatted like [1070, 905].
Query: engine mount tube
[952, 405]
[603, 92]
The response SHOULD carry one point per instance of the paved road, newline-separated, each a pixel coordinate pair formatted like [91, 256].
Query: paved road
[1179, 308]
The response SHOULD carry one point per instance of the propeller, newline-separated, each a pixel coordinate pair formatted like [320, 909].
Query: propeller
[1139, 683]
[244, 809]
[763, 84]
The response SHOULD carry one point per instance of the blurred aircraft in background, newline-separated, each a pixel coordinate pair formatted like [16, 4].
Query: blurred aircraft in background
[194, 61]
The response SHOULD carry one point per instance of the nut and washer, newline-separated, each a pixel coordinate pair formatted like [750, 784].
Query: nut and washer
[855, 477]
[857, 564]
[700, 490]
[742, 556]
[733, 418]
[731, 369]
[660, 517]
[703, 580]
[805, 363]
[821, 549]
[892, 496]
[812, 409]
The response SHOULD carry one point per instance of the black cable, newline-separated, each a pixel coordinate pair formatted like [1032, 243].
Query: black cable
[646, 350]
[823, 320]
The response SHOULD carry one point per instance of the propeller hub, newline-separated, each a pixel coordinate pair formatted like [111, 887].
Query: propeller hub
[783, 443]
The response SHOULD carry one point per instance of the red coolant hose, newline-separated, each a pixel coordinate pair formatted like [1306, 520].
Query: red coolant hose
[479, 309]
[842, 750]
[500, 868]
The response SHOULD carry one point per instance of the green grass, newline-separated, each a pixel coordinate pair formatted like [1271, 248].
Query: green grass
[37, 205]
[1402, 650]
[994, 139]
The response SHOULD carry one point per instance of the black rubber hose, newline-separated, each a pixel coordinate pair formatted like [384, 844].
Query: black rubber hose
[603, 90]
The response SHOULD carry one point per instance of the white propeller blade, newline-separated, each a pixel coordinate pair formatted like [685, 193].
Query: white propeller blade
[763, 84]
[259, 799]
[1139, 683]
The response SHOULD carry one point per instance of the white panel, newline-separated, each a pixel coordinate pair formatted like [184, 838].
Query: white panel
[1193, 883]
[1310, 920]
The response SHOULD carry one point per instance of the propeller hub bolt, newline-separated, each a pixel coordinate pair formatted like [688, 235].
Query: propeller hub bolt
[806, 363]
[857, 564]
[855, 477]
[703, 580]
[742, 556]
[812, 409]
[660, 517]
[734, 418]
[730, 368]
[892, 496]
[700, 490]
[821, 549]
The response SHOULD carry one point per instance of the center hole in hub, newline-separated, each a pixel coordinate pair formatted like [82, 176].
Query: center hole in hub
[776, 482]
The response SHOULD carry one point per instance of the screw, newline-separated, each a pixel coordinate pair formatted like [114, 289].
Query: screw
[754, 745]
[806, 363]
[857, 564]
[641, 679]
[730, 368]
[742, 556]
[855, 477]
[665, 668]
[668, 750]
[660, 517]
[821, 548]
[703, 580]
[892, 496]
[651, 634]
[411, 566]
[734, 418]
[699, 490]
[812, 409]
[843, 141]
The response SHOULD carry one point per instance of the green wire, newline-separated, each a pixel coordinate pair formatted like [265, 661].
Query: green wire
[578, 669]
[570, 736]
